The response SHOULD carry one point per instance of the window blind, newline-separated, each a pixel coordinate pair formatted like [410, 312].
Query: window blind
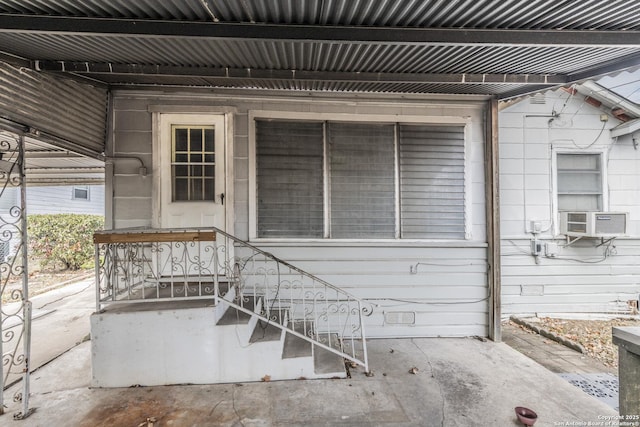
[432, 182]
[363, 162]
[362, 174]
[290, 178]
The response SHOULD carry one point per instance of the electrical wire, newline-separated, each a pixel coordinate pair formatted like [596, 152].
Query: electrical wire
[572, 92]
[581, 261]
[607, 253]
[409, 302]
[515, 245]
[594, 141]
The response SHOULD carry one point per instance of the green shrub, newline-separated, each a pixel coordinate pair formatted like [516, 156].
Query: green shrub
[63, 238]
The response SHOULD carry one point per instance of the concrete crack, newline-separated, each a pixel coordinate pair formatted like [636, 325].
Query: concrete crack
[215, 407]
[233, 403]
[433, 375]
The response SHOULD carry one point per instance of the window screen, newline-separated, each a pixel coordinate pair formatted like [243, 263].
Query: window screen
[432, 182]
[362, 159]
[193, 163]
[579, 179]
[290, 178]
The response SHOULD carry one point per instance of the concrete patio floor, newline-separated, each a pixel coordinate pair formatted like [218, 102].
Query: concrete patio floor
[458, 382]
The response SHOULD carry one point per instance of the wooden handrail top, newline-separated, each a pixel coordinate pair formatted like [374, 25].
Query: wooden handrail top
[152, 237]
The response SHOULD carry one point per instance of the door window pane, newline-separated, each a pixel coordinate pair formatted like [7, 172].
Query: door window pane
[193, 163]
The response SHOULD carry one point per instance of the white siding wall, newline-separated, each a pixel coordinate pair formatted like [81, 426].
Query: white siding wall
[58, 199]
[579, 278]
[454, 273]
[8, 199]
[132, 136]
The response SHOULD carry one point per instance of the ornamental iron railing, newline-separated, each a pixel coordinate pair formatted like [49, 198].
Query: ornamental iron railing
[155, 265]
[15, 307]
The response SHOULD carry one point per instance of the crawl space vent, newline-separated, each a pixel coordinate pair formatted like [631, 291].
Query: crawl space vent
[400, 318]
[538, 98]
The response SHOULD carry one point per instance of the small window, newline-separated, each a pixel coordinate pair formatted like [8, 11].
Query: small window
[80, 192]
[193, 163]
[579, 179]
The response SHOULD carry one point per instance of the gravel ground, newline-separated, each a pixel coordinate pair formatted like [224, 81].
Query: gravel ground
[594, 335]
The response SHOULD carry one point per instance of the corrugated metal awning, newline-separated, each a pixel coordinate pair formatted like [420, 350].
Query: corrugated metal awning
[485, 47]
[48, 164]
[73, 113]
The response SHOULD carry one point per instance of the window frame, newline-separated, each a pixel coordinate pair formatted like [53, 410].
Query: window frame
[254, 115]
[81, 187]
[603, 182]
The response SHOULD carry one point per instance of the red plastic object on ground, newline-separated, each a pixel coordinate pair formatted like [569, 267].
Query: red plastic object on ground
[526, 416]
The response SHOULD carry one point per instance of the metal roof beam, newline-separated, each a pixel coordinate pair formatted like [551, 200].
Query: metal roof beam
[337, 34]
[13, 60]
[88, 68]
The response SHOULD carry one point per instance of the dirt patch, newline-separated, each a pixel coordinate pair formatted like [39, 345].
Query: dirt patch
[157, 407]
[43, 281]
[593, 335]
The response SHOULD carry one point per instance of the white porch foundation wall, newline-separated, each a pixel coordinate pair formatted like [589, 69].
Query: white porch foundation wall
[159, 347]
[164, 343]
[448, 295]
[580, 278]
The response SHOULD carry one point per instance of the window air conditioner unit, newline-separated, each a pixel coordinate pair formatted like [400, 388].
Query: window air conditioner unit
[594, 224]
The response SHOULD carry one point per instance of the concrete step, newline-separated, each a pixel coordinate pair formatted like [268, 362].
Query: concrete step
[267, 331]
[295, 346]
[325, 362]
[233, 316]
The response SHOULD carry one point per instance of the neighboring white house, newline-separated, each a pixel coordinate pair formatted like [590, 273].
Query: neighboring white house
[569, 151]
[77, 199]
[58, 199]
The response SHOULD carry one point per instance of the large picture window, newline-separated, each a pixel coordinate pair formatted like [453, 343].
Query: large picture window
[346, 180]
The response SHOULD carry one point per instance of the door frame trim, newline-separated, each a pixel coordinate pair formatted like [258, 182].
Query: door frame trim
[156, 188]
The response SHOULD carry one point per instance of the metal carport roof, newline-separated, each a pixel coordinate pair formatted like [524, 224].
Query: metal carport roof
[504, 48]
[447, 47]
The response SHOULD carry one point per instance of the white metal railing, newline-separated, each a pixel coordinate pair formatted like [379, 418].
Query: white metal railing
[160, 265]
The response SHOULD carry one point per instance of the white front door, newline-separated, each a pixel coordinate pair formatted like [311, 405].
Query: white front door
[192, 171]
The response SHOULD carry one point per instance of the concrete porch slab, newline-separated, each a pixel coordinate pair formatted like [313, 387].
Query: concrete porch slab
[458, 382]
